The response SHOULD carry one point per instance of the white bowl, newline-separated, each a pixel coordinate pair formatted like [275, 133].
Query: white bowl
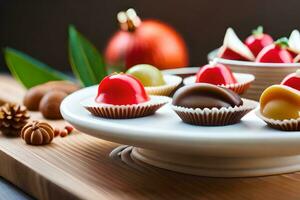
[266, 74]
[249, 148]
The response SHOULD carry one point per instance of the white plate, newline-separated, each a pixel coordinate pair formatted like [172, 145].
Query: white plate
[249, 148]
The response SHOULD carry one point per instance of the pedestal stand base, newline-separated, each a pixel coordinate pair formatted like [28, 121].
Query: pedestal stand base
[208, 166]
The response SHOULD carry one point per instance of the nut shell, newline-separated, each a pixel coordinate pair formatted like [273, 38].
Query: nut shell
[33, 97]
[37, 133]
[35, 94]
[66, 86]
[50, 104]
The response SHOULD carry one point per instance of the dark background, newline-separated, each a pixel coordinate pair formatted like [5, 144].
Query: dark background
[39, 27]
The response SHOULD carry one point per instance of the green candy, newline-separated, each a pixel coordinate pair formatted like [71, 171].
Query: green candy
[147, 74]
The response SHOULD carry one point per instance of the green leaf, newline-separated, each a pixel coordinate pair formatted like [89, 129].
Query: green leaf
[258, 31]
[29, 71]
[282, 42]
[86, 61]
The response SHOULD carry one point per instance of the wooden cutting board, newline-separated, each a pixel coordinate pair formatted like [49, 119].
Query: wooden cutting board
[78, 167]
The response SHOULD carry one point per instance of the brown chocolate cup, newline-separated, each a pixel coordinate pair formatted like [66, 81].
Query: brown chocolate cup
[125, 111]
[283, 125]
[215, 116]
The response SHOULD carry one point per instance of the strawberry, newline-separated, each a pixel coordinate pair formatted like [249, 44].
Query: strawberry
[292, 80]
[258, 40]
[234, 49]
[275, 53]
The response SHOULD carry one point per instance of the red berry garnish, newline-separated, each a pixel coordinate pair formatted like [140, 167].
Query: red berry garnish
[56, 132]
[69, 129]
[63, 133]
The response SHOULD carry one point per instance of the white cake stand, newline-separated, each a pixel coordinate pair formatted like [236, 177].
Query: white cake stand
[246, 149]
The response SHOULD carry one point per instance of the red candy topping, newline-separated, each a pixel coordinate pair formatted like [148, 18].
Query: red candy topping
[217, 74]
[292, 80]
[121, 89]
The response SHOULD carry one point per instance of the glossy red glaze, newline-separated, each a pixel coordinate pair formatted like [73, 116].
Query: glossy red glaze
[229, 54]
[216, 74]
[274, 54]
[152, 42]
[292, 80]
[121, 89]
[257, 42]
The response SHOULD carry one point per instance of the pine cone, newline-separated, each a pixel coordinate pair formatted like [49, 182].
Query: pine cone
[12, 118]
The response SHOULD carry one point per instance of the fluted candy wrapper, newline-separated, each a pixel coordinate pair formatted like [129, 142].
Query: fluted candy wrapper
[172, 82]
[215, 116]
[125, 111]
[284, 125]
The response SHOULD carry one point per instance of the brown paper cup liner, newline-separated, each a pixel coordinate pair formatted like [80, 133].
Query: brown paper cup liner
[125, 111]
[243, 82]
[215, 116]
[172, 82]
[284, 125]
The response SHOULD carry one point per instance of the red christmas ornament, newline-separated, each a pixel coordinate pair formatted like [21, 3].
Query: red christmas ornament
[121, 89]
[217, 74]
[145, 42]
[258, 40]
[292, 80]
[275, 53]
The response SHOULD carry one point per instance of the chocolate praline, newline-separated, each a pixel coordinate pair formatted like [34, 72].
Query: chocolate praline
[203, 95]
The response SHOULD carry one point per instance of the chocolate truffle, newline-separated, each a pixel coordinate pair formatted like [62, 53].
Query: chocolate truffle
[203, 95]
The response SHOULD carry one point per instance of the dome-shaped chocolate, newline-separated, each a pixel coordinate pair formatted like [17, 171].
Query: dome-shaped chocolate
[203, 95]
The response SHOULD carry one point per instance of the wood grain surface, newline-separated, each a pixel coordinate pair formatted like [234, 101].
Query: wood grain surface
[78, 167]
